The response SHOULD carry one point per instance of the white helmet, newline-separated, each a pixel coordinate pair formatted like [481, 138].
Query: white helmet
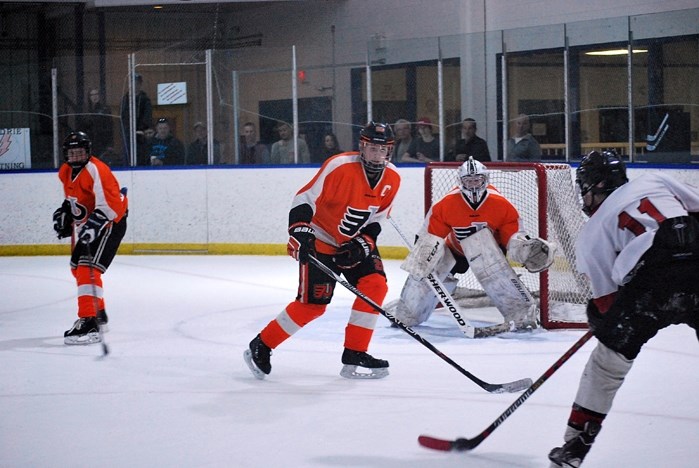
[474, 179]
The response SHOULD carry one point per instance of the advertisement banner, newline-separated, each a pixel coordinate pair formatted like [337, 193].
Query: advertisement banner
[15, 149]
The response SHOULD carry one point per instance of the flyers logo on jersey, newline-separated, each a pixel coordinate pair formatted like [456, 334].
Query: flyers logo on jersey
[354, 219]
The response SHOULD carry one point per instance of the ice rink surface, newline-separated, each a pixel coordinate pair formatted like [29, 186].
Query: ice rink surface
[175, 392]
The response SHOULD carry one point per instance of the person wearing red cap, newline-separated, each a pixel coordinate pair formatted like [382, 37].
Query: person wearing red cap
[424, 148]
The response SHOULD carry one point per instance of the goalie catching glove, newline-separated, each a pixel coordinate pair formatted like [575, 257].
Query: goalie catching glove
[352, 253]
[302, 242]
[93, 227]
[425, 255]
[63, 220]
[535, 254]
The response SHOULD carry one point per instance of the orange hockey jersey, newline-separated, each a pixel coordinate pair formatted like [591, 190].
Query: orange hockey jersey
[453, 218]
[94, 187]
[343, 202]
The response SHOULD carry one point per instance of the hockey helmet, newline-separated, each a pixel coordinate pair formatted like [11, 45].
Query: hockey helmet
[474, 178]
[77, 140]
[375, 147]
[599, 173]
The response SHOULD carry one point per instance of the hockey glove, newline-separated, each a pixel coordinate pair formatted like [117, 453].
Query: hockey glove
[302, 242]
[92, 227]
[535, 254]
[63, 220]
[352, 253]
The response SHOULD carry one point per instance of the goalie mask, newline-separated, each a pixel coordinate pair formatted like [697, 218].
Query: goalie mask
[599, 174]
[375, 147]
[77, 149]
[474, 179]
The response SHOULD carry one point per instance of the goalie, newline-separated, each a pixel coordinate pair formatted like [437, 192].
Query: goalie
[473, 226]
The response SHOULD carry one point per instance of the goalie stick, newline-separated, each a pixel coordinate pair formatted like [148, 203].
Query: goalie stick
[510, 387]
[448, 302]
[463, 444]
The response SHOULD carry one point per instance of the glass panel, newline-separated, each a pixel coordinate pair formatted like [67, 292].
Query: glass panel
[535, 94]
[664, 101]
[602, 113]
[536, 106]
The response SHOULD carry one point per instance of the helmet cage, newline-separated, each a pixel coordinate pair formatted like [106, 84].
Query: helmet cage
[375, 147]
[474, 179]
[77, 140]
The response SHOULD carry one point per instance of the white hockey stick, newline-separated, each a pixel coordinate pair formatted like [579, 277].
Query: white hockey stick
[448, 302]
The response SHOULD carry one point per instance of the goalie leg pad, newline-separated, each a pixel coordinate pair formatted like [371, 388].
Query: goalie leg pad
[500, 282]
[417, 299]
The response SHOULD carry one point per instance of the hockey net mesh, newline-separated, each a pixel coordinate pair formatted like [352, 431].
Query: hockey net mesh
[548, 204]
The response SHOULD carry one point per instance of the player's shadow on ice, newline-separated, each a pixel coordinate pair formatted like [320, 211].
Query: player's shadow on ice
[45, 342]
[429, 460]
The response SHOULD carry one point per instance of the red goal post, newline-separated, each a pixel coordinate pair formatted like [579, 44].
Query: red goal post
[548, 204]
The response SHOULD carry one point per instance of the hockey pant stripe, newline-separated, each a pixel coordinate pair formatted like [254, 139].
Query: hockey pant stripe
[363, 318]
[86, 298]
[289, 321]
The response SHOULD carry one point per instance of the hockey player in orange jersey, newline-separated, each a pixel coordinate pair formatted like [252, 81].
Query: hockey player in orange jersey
[94, 210]
[467, 209]
[336, 218]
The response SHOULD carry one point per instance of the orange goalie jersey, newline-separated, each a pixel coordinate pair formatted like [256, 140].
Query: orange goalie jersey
[340, 208]
[94, 187]
[452, 217]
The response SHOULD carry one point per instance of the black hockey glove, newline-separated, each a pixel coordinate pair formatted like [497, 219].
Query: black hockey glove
[302, 242]
[352, 253]
[92, 227]
[63, 220]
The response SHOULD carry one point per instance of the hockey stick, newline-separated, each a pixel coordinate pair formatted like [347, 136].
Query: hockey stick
[510, 387]
[448, 302]
[463, 444]
[91, 267]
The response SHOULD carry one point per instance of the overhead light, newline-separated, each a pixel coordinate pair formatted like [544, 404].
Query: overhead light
[616, 52]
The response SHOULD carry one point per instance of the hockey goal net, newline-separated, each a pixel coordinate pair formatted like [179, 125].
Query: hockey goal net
[545, 196]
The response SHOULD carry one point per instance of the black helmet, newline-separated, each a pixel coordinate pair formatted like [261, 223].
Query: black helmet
[77, 140]
[376, 134]
[601, 173]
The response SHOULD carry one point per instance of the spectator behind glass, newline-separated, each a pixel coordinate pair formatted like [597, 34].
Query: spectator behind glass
[163, 149]
[330, 147]
[251, 150]
[522, 146]
[424, 148]
[144, 120]
[469, 145]
[197, 151]
[404, 137]
[283, 150]
[98, 125]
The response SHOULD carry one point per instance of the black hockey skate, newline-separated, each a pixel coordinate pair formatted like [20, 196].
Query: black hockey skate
[573, 452]
[84, 331]
[257, 358]
[103, 320]
[378, 368]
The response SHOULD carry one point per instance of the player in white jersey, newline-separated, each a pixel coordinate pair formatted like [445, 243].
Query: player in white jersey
[640, 250]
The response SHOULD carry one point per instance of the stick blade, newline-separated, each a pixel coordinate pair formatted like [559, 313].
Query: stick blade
[511, 387]
[443, 445]
[435, 443]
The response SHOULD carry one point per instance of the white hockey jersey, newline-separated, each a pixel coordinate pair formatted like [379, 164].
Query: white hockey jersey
[612, 242]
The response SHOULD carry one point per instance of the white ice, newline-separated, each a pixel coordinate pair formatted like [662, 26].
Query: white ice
[175, 392]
